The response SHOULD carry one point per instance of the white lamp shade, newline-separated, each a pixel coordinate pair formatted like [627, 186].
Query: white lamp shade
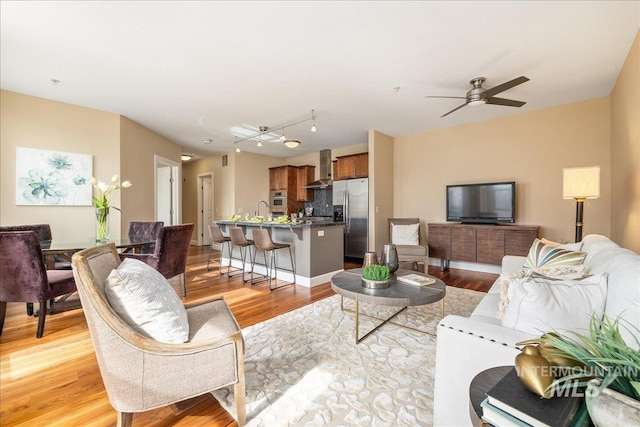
[581, 183]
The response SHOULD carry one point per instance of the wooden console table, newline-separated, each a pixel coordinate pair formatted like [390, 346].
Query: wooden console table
[482, 243]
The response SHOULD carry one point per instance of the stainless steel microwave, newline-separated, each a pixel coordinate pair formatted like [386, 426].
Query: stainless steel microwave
[278, 200]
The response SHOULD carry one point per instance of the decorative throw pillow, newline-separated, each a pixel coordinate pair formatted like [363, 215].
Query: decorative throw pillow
[145, 300]
[405, 234]
[541, 255]
[539, 305]
[569, 246]
[506, 280]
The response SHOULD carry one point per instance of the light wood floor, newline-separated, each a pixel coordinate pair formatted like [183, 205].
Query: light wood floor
[55, 381]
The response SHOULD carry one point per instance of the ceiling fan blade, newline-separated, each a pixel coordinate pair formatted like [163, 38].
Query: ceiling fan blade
[455, 109]
[507, 102]
[456, 97]
[504, 86]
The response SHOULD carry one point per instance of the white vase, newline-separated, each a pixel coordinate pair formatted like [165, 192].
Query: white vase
[609, 408]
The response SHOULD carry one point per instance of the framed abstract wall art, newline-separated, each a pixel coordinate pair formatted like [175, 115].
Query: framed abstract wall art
[53, 178]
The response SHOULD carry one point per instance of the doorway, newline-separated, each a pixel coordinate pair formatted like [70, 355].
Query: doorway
[167, 191]
[205, 207]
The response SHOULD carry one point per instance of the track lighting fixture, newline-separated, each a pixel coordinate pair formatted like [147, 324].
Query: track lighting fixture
[244, 132]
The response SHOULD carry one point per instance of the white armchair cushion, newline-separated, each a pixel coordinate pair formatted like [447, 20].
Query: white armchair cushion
[145, 300]
[541, 305]
[405, 234]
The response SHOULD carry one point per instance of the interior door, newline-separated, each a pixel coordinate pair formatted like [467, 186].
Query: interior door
[167, 191]
[163, 194]
[207, 208]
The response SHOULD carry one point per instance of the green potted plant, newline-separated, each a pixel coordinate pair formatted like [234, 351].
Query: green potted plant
[611, 367]
[376, 276]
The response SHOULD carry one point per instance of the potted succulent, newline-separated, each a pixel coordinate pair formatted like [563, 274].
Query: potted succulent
[611, 367]
[376, 276]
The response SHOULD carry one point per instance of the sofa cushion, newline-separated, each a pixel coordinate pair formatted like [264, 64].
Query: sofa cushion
[569, 246]
[145, 300]
[405, 234]
[541, 305]
[541, 255]
[623, 295]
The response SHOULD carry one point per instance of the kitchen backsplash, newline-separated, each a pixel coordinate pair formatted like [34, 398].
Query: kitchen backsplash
[322, 202]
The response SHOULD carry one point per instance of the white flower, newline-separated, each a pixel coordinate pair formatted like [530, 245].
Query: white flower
[103, 187]
[94, 181]
[126, 184]
[115, 178]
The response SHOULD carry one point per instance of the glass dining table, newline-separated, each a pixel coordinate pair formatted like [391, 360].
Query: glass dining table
[64, 249]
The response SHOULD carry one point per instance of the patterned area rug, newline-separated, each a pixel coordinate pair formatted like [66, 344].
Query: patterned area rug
[303, 368]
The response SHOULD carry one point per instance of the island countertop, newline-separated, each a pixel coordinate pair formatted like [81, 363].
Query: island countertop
[317, 246]
[299, 224]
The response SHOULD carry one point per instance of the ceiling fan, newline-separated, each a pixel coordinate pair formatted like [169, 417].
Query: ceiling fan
[479, 95]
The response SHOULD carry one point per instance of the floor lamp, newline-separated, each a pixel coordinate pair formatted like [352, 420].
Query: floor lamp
[580, 184]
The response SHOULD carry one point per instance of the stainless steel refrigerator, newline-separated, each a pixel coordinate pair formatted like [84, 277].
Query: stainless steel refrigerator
[351, 203]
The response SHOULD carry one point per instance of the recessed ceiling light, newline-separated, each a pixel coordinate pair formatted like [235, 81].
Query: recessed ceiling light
[207, 141]
[55, 81]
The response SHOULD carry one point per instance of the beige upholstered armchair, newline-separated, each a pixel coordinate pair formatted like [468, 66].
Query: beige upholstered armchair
[405, 234]
[141, 373]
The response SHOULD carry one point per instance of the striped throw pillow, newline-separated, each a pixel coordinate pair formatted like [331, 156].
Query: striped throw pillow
[541, 255]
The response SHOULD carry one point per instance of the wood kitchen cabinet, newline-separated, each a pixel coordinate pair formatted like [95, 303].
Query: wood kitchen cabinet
[306, 175]
[283, 178]
[482, 243]
[351, 166]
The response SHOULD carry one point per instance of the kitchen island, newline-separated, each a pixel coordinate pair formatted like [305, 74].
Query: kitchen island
[317, 246]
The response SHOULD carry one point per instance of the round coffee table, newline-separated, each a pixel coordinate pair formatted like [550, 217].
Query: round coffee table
[348, 284]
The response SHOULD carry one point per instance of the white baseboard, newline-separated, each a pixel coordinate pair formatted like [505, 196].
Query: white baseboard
[471, 266]
[307, 282]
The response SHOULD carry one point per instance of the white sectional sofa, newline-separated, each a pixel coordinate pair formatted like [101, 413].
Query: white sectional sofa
[467, 346]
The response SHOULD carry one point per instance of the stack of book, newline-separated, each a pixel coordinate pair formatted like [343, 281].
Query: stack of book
[416, 279]
[509, 403]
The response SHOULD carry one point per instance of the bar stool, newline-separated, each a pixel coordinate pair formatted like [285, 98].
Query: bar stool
[263, 241]
[216, 236]
[238, 239]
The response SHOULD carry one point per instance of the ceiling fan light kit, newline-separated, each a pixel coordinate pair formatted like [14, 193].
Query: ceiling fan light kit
[479, 96]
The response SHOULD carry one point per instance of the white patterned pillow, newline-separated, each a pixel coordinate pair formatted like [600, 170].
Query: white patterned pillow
[541, 255]
[540, 305]
[145, 300]
[405, 234]
[507, 280]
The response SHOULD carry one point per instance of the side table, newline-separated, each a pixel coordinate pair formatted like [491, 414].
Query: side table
[482, 382]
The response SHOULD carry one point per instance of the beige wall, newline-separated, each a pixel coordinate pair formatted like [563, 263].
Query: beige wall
[252, 179]
[351, 149]
[138, 147]
[529, 148]
[27, 121]
[118, 146]
[625, 153]
[237, 186]
[380, 188]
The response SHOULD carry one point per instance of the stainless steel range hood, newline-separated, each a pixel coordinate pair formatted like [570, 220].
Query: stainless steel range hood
[325, 171]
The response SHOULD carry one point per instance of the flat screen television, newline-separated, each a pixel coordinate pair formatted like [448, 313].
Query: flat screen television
[490, 203]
